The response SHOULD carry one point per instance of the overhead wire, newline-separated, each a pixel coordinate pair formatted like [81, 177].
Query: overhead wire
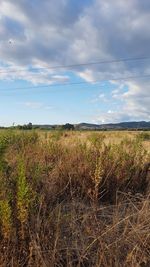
[80, 83]
[75, 65]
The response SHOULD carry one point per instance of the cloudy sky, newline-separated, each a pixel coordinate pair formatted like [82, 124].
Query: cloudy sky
[46, 51]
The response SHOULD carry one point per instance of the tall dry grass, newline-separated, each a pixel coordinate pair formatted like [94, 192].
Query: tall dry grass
[76, 203]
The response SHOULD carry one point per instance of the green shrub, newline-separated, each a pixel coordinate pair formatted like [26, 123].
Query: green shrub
[144, 136]
[23, 194]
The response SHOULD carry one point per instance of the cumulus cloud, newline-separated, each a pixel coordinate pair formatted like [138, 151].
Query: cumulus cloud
[135, 101]
[51, 33]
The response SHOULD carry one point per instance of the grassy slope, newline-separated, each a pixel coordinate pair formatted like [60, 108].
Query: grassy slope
[74, 199]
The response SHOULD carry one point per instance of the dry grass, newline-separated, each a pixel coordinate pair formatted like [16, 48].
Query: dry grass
[74, 199]
[113, 137]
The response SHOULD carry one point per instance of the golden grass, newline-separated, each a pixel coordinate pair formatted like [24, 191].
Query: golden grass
[74, 199]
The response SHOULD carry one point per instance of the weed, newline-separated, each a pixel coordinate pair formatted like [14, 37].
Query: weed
[74, 199]
[5, 218]
[23, 194]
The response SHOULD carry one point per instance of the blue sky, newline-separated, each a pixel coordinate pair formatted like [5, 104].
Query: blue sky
[37, 35]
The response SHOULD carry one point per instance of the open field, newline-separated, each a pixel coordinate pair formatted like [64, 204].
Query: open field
[110, 137]
[71, 199]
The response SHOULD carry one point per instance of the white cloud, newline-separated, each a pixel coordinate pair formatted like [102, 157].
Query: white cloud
[37, 105]
[34, 105]
[135, 104]
[100, 98]
[47, 33]
[48, 107]
[35, 76]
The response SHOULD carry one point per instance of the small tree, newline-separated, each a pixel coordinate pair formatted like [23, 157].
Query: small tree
[68, 126]
[29, 126]
[25, 126]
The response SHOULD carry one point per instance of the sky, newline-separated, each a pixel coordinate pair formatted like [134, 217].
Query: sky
[46, 51]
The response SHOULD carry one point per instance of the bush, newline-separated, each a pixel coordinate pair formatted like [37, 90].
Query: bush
[144, 136]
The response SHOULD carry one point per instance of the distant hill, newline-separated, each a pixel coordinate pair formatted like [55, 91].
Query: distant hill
[114, 126]
[133, 125]
[143, 125]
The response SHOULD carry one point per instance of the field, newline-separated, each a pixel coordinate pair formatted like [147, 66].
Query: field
[74, 199]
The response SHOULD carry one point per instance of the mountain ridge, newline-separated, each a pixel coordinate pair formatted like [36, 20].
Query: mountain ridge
[107, 126]
[135, 125]
[120, 125]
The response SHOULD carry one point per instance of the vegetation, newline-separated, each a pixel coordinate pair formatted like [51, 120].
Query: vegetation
[144, 136]
[25, 126]
[74, 199]
[68, 126]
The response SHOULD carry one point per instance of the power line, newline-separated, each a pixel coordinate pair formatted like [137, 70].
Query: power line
[78, 65]
[82, 82]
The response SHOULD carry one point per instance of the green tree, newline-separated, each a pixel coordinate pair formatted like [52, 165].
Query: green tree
[68, 126]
